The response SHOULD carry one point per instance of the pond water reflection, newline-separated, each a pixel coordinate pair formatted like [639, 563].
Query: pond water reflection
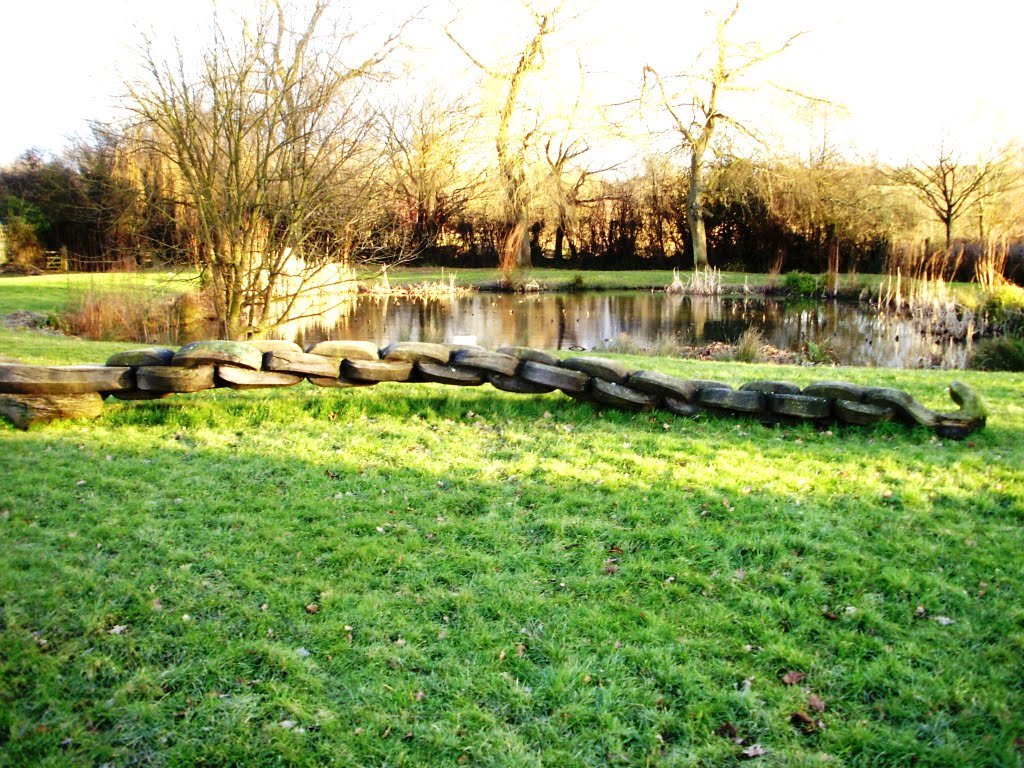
[590, 321]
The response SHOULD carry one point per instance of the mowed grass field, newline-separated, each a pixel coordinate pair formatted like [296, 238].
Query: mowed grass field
[412, 575]
[417, 575]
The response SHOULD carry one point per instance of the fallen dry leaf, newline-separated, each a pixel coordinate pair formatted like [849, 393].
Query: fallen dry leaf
[755, 750]
[419, 696]
[816, 703]
[793, 678]
[803, 721]
[118, 629]
[312, 608]
[726, 730]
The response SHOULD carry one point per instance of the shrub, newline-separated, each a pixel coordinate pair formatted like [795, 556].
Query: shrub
[802, 283]
[1004, 308]
[1002, 353]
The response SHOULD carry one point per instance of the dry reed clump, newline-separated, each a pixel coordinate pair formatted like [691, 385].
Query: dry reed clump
[750, 346]
[703, 282]
[436, 289]
[931, 305]
[771, 284]
[990, 266]
[122, 315]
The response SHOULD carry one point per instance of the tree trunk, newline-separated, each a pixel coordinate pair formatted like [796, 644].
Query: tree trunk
[695, 210]
[515, 252]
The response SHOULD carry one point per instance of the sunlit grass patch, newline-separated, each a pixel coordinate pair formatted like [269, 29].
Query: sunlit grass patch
[410, 574]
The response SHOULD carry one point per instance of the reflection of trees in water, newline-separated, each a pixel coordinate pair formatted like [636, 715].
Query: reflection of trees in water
[587, 320]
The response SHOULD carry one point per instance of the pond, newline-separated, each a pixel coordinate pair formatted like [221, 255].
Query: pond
[594, 321]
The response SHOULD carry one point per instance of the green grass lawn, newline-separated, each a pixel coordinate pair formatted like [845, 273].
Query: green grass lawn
[417, 575]
[51, 293]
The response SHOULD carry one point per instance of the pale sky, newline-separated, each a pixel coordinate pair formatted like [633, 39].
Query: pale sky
[910, 73]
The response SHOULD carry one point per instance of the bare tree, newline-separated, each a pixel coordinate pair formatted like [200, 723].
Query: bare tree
[511, 148]
[273, 147]
[948, 186]
[426, 138]
[696, 113]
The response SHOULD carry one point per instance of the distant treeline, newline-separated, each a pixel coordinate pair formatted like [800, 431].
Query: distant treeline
[112, 205]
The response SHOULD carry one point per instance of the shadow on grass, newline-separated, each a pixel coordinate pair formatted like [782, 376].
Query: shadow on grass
[318, 578]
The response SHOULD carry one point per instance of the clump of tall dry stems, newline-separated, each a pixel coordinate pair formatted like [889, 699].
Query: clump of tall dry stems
[430, 289]
[122, 315]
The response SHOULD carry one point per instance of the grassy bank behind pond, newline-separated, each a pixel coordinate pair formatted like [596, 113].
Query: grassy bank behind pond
[417, 575]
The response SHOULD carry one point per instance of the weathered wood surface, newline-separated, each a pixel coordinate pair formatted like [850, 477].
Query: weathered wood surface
[345, 350]
[200, 353]
[39, 393]
[301, 363]
[517, 385]
[681, 407]
[24, 411]
[527, 353]
[274, 345]
[243, 378]
[172, 378]
[376, 371]
[771, 387]
[663, 385]
[836, 390]
[800, 406]
[446, 374]
[732, 400]
[144, 356]
[619, 396]
[491, 362]
[564, 379]
[416, 352]
[861, 414]
[599, 368]
[18, 379]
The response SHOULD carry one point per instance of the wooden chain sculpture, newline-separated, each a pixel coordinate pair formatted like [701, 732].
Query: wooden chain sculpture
[32, 393]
